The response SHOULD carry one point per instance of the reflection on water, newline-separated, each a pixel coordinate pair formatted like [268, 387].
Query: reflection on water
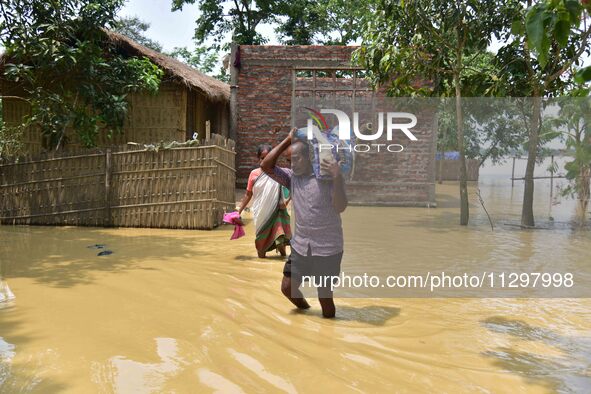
[217, 382]
[129, 376]
[190, 311]
[6, 355]
[258, 369]
[550, 209]
[568, 367]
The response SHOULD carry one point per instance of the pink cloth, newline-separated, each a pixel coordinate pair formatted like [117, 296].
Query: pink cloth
[238, 232]
[235, 219]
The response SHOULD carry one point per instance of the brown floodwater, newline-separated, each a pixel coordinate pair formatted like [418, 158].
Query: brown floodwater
[191, 311]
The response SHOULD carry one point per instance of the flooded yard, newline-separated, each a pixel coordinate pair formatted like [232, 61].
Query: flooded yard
[191, 311]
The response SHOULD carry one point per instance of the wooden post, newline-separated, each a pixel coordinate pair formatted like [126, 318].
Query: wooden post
[108, 158]
[234, 55]
[293, 95]
[513, 172]
[441, 167]
[207, 130]
[551, 186]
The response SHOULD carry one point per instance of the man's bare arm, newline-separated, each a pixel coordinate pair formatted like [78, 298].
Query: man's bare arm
[270, 161]
[339, 195]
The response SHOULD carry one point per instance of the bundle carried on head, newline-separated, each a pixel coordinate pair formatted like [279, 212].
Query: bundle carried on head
[325, 144]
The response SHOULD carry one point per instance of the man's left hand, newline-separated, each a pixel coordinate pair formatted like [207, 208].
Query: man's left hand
[331, 167]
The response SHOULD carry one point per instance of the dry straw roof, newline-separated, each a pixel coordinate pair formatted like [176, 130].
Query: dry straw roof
[214, 89]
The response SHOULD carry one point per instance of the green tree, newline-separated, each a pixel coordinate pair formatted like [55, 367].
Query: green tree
[436, 41]
[240, 18]
[201, 58]
[301, 22]
[575, 117]
[298, 22]
[584, 75]
[135, 28]
[492, 127]
[546, 41]
[326, 22]
[342, 21]
[11, 143]
[73, 77]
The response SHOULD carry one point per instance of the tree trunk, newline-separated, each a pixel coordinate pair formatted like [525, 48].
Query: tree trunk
[234, 53]
[464, 207]
[583, 193]
[527, 210]
[440, 164]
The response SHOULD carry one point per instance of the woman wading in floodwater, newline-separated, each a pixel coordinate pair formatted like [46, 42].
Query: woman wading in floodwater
[271, 218]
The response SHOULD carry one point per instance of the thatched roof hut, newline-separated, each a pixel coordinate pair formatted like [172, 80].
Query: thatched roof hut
[187, 101]
[214, 89]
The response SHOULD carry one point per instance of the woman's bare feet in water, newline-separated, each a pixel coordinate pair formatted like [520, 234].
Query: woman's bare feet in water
[281, 249]
[262, 255]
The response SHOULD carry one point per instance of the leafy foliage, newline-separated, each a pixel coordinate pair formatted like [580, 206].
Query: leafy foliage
[431, 47]
[299, 22]
[134, 28]
[203, 59]
[494, 128]
[10, 141]
[542, 50]
[545, 43]
[549, 26]
[73, 77]
[414, 47]
[575, 117]
[558, 22]
[326, 22]
[217, 18]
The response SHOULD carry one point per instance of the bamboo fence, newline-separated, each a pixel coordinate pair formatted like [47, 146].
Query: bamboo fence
[186, 187]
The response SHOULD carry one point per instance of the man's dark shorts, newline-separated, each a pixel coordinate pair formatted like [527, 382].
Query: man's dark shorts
[298, 266]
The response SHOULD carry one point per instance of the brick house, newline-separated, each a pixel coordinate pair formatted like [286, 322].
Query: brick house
[268, 80]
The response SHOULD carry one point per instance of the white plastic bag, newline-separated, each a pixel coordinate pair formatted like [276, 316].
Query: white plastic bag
[5, 293]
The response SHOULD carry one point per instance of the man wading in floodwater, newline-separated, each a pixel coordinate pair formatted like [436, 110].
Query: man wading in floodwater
[317, 243]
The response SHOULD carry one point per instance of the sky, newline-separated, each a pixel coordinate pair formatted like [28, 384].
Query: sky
[173, 29]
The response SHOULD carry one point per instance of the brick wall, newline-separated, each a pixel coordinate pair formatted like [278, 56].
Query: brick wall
[264, 100]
